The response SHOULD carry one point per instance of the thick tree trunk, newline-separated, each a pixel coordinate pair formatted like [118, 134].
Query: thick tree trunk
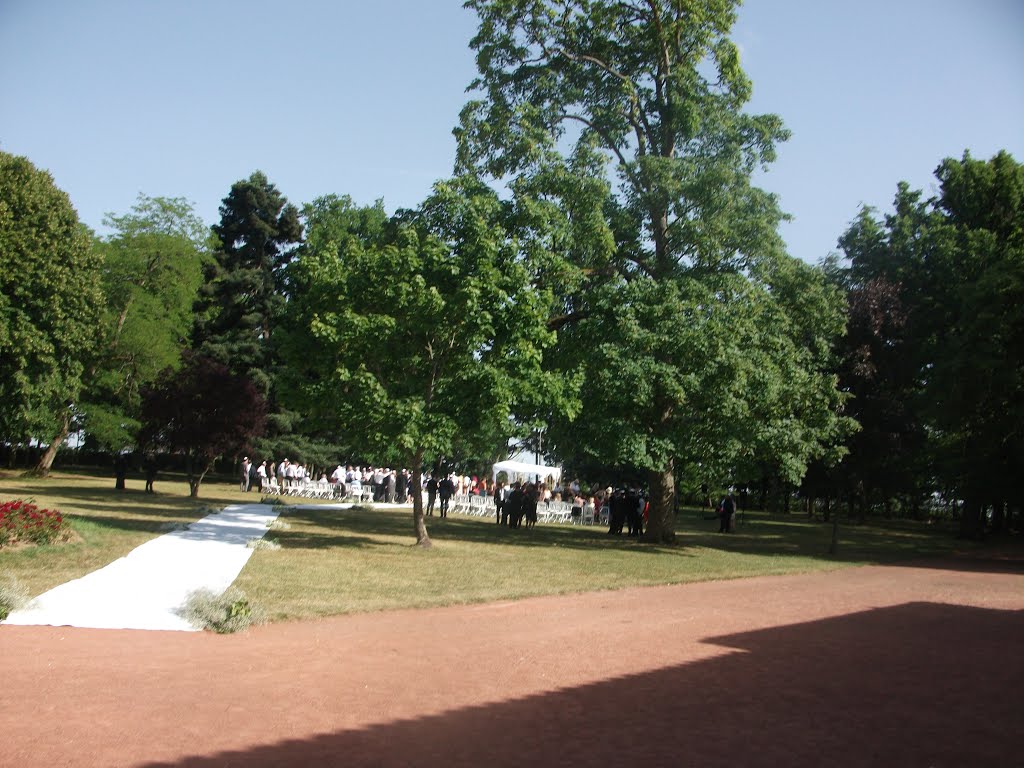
[46, 460]
[419, 523]
[661, 512]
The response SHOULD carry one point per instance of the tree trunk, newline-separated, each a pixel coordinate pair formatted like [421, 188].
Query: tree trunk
[833, 547]
[195, 479]
[46, 460]
[970, 518]
[661, 528]
[774, 495]
[419, 523]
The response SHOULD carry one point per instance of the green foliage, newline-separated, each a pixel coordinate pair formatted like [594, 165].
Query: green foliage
[152, 269]
[225, 613]
[50, 300]
[243, 295]
[956, 264]
[701, 345]
[419, 333]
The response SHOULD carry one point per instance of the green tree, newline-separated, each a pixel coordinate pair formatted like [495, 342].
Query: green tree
[417, 333]
[243, 295]
[958, 262]
[50, 300]
[152, 269]
[703, 342]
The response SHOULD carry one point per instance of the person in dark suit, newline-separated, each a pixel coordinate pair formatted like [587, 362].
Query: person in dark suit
[726, 510]
[445, 490]
[514, 506]
[633, 518]
[390, 486]
[402, 487]
[431, 495]
[530, 499]
[617, 510]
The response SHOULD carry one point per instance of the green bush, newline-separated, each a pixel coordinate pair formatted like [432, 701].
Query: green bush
[231, 611]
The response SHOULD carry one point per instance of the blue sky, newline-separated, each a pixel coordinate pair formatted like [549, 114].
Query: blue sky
[118, 97]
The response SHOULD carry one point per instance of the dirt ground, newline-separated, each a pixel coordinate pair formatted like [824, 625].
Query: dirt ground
[918, 665]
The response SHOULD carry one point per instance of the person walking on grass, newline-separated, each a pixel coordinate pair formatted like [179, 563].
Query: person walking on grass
[726, 510]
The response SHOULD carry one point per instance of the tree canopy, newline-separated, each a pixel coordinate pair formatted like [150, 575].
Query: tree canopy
[243, 295]
[152, 268]
[420, 334]
[201, 411]
[699, 339]
[50, 300]
[954, 264]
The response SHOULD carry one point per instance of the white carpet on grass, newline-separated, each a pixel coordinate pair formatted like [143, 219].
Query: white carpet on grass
[144, 589]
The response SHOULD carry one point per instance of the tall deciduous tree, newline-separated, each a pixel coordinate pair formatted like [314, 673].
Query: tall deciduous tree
[152, 269]
[202, 411]
[703, 342]
[416, 332]
[50, 299]
[958, 259]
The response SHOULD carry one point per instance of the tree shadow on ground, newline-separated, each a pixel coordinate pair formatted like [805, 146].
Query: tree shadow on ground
[366, 523]
[760, 535]
[920, 684]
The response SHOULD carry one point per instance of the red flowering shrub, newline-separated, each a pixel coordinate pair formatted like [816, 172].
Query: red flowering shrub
[23, 521]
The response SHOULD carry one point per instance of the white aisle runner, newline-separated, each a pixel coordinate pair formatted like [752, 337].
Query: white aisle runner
[144, 589]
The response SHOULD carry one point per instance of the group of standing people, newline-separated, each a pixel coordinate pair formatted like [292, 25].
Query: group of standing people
[517, 504]
[626, 509]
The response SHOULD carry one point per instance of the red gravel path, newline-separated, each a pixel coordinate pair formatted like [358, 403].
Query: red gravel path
[877, 666]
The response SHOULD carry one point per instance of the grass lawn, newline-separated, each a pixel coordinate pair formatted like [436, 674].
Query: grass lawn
[339, 561]
[106, 523]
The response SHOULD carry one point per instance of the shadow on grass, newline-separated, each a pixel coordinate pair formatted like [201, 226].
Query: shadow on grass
[378, 525]
[920, 684]
[760, 535]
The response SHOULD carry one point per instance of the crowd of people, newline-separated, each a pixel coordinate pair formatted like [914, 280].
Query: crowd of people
[515, 504]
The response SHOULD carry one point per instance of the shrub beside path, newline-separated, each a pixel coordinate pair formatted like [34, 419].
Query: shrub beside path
[916, 665]
[145, 588]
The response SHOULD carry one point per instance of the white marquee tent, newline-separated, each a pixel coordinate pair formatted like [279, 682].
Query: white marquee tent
[524, 470]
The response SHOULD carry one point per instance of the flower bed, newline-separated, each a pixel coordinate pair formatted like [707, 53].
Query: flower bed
[22, 521]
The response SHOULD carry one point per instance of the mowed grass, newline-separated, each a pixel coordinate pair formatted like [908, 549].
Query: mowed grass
[334, 561]
[340, 561]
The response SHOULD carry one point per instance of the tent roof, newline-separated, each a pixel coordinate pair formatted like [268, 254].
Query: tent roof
[522, 468]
